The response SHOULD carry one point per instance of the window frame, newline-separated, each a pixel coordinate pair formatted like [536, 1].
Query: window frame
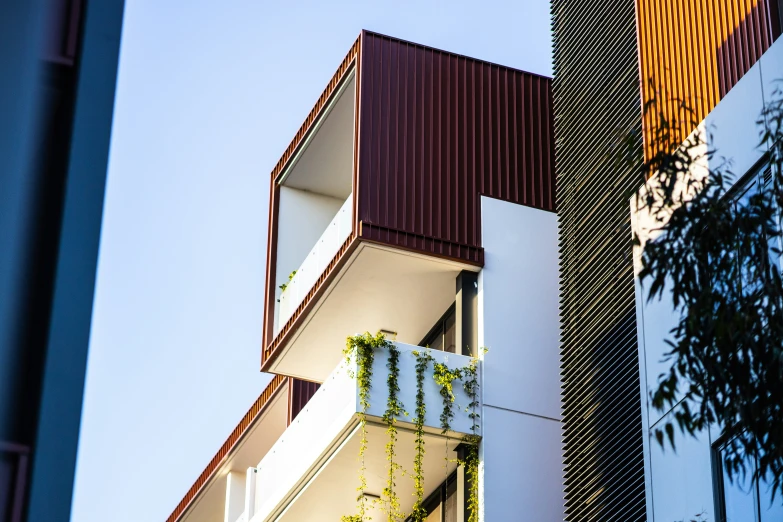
[719, 483]
[758, 178]
[438, 497]
[439, 329]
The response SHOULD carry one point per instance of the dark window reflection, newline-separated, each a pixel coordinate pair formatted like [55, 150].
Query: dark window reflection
[443, 335]
[450, 334]
[450, 504]
[442, 505]
[744, 499]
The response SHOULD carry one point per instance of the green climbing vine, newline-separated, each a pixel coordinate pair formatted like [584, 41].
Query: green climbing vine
[471, 459]
[445, 378]
[394, 409]
[423, 359]
[285, 285]
[290, 278]
[362, 348]
[471, 463]
[471, 386]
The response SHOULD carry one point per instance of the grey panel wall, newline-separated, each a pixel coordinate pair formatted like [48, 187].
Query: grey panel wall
[596, 96]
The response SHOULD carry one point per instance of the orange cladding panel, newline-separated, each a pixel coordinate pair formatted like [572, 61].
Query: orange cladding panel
[692, 52]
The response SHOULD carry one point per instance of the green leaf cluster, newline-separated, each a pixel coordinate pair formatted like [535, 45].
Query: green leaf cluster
[394, 409]
[290, 278]
[423, 360]
[362, 348]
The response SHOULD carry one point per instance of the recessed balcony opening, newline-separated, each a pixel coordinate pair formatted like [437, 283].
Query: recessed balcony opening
[312, 471]
[315, 203]
[378, 288]
[331, 493]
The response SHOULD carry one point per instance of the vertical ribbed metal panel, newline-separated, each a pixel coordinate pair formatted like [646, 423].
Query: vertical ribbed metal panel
[436, 130]
[596, 94]
[696, 51]
[299, 394]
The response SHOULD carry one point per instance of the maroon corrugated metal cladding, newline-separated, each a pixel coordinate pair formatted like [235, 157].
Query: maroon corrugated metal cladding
[436, 131]
[299, 394]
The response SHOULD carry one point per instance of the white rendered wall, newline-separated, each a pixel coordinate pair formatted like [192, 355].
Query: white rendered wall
[314, 263]
[235, 496]
[521, 451]
[521, 457]
[679, 485]
[324, 418]
[302, 218]
[461, 424]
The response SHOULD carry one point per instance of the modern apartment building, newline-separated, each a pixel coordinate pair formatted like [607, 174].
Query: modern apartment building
[58, 64]
[417, 200]
[611, 59]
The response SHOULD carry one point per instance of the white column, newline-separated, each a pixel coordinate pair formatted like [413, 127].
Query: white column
[235, 496]
[520, 452]
[250, 492]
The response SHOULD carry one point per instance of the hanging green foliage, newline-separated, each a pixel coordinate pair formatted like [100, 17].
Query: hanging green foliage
[445, 378]
[394, 409]
[362, 348]
[471, 460]
[471, 386]
[471, 463]
[423, 359]
[285, 285]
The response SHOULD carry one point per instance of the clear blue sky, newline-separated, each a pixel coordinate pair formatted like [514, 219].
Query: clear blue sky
[209, 94]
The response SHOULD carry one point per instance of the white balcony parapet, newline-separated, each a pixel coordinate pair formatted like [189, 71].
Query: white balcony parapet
[331, 416]
[315, 263]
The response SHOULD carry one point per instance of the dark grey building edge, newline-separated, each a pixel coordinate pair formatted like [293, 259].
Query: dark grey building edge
[54, 140]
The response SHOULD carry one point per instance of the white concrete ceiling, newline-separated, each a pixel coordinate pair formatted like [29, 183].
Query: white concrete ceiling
[325, 166]
[331, 493]
[378, 288]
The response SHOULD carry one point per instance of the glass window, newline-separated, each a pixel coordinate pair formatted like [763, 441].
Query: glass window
[743, 499]
[434, 515]
[780, 16]
[443, 335]
[450, 333]
[753, 183]
[739, 499]
[769, 510]
[450, 505]
[436, 341]
[442, 505]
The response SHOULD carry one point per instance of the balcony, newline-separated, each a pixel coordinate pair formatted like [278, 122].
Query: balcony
[326, 248]
[311, 472]
[412, 170]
